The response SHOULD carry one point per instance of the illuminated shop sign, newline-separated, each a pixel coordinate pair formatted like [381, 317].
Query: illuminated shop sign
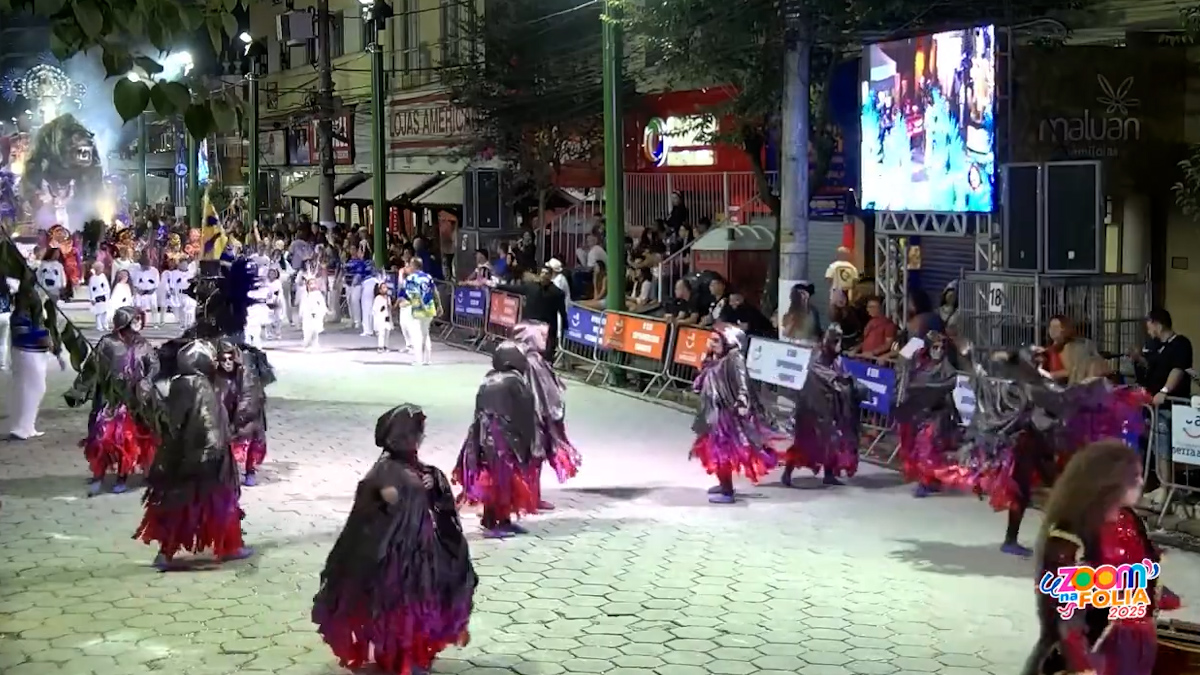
[679, 141]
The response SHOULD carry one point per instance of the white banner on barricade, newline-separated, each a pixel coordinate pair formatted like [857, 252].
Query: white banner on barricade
[964, 399]
[1185, 435]
[778, 363]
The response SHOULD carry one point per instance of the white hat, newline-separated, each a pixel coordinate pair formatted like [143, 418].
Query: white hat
[554, 265]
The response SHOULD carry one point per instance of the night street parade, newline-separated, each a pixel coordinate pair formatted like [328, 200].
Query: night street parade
[596, 337]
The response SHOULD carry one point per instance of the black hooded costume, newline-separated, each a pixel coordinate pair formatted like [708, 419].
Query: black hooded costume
[245, 401]
[495, 463]
[929, 425]
[192, 489]
[126, 421]
[398, 586]
[828, 415]
[552, 444]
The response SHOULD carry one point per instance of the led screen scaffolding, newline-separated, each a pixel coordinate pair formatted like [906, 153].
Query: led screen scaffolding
[928, 123]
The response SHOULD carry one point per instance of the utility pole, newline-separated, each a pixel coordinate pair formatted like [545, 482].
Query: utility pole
[794, 180]
[325, 210]
[380, 12]
[614, 145]
[143, 168]
[252, 160]
[195, 217]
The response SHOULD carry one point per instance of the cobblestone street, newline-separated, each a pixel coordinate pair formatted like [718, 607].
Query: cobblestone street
[633, 574]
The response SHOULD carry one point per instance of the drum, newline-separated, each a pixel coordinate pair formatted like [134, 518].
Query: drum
[1178, 648]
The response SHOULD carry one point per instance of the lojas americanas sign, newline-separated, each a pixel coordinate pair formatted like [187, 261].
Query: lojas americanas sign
[1108, 103]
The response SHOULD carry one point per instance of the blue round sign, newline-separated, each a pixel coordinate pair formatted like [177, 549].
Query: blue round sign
[181, 170]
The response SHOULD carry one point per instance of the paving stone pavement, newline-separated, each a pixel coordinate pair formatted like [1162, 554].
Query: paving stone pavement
[633, 574]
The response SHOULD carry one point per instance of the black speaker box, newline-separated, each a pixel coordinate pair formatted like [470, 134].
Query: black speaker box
[1074, 218]
[1022, 222]
[484, 200]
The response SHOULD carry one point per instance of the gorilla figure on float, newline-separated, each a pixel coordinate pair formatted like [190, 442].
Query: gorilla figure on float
[63, 181]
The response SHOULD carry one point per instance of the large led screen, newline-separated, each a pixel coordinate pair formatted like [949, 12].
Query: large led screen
[928, 123]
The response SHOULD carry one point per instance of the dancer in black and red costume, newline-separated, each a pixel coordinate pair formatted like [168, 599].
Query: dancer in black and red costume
[732, 432]
[494, 465]
[552, 446]
[1090, 521]
[192, 489]
[124, 425]
[928, 423]
[245, 402]
[828, 416]
[398, 586]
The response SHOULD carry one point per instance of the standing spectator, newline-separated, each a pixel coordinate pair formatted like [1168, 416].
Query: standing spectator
[880, 332]
[800, 323]
[746, 316]
[679, 215]
[543, 302]
[922, 320]
[429, 261]
[1161, 367]
[948, 309]
[482, 275]
[557, 277]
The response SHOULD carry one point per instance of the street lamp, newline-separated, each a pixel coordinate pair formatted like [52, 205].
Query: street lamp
[256, 52]
[376, 14]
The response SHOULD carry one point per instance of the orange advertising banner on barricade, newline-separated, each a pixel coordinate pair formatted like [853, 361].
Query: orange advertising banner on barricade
[505, 309]
[690, 346]
[635, 335]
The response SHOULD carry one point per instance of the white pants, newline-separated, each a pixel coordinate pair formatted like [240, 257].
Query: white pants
[148, 303]
[186, 315]
[381, 336]
[422, 344]
[408, 328]
[29, 380]
[354, 300]
[368, 314]
[101, 321]
[312, 333]
[285, 306]
[333, 299]
[5, 323]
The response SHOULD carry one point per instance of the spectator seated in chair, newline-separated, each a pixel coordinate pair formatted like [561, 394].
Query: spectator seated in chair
[746, 316]
[641, 298]
[683, 308]
[599, 287]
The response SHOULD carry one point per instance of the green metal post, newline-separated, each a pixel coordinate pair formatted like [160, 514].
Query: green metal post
[193, 181]
[252, 160]
[614, 173]
[143, 168]
[378, 147]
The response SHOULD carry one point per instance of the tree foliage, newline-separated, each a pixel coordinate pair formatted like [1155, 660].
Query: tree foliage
[700, 43]
[115, 27]
[1187, 189]
[532, 81]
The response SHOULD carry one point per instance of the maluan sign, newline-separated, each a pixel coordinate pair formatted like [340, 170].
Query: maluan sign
[1097, 130]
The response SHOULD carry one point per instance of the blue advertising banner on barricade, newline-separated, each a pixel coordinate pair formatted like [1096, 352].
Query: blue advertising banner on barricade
[470, 301]
[584, 326]
[880, 382]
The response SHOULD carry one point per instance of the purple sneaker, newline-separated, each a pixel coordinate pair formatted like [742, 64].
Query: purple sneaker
[120, 488]
[514, 528]
[241, 554]
[1013, 548]
[250, 480]
[95, 487]
[922, 491]
[494, 533]
[720, 498]
[161, 563]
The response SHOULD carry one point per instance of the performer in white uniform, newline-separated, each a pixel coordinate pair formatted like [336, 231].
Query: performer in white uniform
[146, 280]
[312, 315]
[381, 317]
[122, 293]
[99, 294]
[8, 291]
[175, 282]
[276, 304]
[368, 301]
[31, 345]
[51, 275]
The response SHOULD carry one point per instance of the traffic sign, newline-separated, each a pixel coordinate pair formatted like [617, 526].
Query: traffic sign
[181, 170]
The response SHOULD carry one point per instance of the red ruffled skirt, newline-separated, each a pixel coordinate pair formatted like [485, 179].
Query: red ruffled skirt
[492, 477]
[210, 521]
[925, 457]
[563, 457]
[840, 458]
[119, 443]
[248, 454]
[726, 448]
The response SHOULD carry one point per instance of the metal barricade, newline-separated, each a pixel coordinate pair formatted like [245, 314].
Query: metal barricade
[634, 344]
[443, 322]
[468, 315]
[880, 382]
[688, 346]
[504, 311]
[581, 343]
[1174, 449]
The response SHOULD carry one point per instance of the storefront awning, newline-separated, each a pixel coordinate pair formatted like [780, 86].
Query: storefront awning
[310, 188]
[447, 193]
[397, 187]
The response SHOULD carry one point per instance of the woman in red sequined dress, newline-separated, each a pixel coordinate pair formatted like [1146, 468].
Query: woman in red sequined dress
[1090, 521]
